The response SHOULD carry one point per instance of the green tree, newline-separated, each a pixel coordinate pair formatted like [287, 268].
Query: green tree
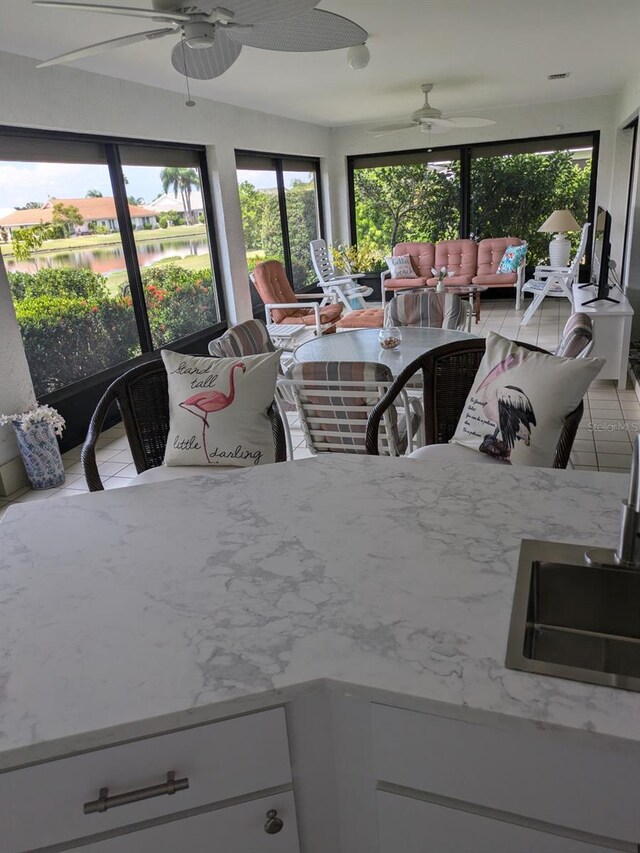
[135, 201]
[93, 194]
[27, 241]
[31, 205]
[184, 181]
[412, 202]
[65, 218]
[252, 203]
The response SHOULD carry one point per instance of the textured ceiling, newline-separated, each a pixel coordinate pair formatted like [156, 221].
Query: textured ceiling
[479, 53]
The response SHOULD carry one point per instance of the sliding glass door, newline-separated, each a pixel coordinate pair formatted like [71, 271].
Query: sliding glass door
[485, 190]
[281, 212]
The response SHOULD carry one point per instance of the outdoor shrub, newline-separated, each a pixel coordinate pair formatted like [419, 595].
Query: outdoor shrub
[68, 338]
[179, 302]
[58, 282]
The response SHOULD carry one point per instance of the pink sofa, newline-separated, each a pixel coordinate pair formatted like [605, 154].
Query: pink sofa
[470, 262]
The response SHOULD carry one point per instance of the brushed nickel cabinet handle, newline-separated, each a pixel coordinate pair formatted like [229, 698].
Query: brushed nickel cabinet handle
[273, 824]
[105, 801]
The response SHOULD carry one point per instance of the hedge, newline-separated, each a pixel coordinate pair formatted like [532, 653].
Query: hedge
[72, 327]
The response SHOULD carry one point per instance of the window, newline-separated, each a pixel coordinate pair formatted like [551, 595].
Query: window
[98, 274]
[515, 187]
[492, 190]
[281, 212]
[405, 197]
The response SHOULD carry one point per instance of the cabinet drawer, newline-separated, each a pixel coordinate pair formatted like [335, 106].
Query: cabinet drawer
[545, 775]
[412, 826]
[236, 829]
[43, 804]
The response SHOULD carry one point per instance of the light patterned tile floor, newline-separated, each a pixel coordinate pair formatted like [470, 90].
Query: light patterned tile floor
[603, 443]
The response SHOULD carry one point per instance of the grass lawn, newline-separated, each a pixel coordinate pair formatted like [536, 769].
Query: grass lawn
[95, 241]
[190, 262]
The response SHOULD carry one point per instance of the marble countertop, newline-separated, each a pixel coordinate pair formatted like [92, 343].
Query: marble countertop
[139, 606]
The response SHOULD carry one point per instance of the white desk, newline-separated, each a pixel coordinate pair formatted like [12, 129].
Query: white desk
[611, 329]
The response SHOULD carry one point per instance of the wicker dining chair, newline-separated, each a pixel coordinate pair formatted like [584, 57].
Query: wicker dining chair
[142, 396]
[448, 373]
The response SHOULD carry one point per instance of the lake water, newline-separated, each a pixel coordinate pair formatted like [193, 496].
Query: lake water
[110, 259]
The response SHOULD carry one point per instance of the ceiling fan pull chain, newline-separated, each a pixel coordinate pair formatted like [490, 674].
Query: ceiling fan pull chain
[189, 102]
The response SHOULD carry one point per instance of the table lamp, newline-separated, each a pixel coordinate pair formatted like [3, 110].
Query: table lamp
[559, 222]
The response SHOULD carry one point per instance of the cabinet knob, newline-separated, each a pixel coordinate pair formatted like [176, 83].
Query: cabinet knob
[273, 824]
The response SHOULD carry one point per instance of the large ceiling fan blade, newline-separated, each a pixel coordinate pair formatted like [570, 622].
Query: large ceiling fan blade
[311, 31]
[103, 46]
[392, 128]
[260, 12]
[127, 11]
[439, 122]
[469, 121]
[208, 63]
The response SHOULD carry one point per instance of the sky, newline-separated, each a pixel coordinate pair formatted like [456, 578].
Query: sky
[24, 182]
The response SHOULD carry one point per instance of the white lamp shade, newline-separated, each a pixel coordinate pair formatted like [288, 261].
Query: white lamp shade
[559, 222]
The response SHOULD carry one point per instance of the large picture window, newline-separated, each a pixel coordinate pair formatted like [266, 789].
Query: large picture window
[493, 190]
[108, 255]
[281, 211]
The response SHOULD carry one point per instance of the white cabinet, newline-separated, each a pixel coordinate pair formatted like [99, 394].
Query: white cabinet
[415, 826]
[235, 829]
[44, 804]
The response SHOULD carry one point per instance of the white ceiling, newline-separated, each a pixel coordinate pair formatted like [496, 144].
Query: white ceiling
[479, 53]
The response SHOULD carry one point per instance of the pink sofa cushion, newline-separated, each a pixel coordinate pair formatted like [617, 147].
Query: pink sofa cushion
[423, 256]
[458, 256]
[450, 280]
[490, 254]
[507, 279]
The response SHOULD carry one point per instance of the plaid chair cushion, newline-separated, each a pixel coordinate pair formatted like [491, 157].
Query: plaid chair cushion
[426, 308]
[249, 338]
[576, 336]
[351, 424]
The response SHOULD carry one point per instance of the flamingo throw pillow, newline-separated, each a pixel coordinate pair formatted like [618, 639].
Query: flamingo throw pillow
[520, 398]
[218, 409]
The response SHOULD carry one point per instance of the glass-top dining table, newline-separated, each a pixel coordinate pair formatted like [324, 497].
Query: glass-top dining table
[364, 345]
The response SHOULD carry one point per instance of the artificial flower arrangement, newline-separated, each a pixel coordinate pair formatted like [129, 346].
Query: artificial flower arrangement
[36, 431]
[35, 415]
[441, 274]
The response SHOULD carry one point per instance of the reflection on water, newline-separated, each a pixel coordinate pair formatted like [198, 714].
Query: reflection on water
[110, 259]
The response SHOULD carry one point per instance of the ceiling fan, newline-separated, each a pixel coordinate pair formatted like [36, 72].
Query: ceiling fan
[431, 120]
[211, 36]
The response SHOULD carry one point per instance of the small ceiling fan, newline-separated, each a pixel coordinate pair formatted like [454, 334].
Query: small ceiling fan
[211, 36]
[431, 120]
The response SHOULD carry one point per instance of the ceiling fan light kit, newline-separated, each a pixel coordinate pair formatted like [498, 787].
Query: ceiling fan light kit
[215, 35]
[358, 57]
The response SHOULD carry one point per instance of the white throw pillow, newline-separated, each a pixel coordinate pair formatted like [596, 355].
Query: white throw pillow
[218, 409]
[400, 266]
[516, 408]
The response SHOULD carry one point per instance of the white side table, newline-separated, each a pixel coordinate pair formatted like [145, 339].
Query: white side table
[611, 331]
[282, 334]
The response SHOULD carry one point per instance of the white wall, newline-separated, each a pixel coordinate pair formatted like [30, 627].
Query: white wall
[16, 389]
[559, 117]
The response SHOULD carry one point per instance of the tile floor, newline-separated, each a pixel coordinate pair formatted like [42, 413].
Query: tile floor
[603, 443]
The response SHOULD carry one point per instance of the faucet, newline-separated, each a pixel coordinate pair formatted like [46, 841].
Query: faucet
[627, 554]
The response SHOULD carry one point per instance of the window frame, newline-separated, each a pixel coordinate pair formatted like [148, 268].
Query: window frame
[77, 401]
[466, 155]
[280, 163]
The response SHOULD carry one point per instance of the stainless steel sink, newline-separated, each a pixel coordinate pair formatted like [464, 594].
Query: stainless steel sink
[575, 620]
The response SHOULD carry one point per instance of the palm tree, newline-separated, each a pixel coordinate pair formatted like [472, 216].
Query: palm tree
[94, 194]
[185, 180]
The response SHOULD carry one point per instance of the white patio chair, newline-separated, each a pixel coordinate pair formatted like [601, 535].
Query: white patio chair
[550, 281]
[345, 288]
